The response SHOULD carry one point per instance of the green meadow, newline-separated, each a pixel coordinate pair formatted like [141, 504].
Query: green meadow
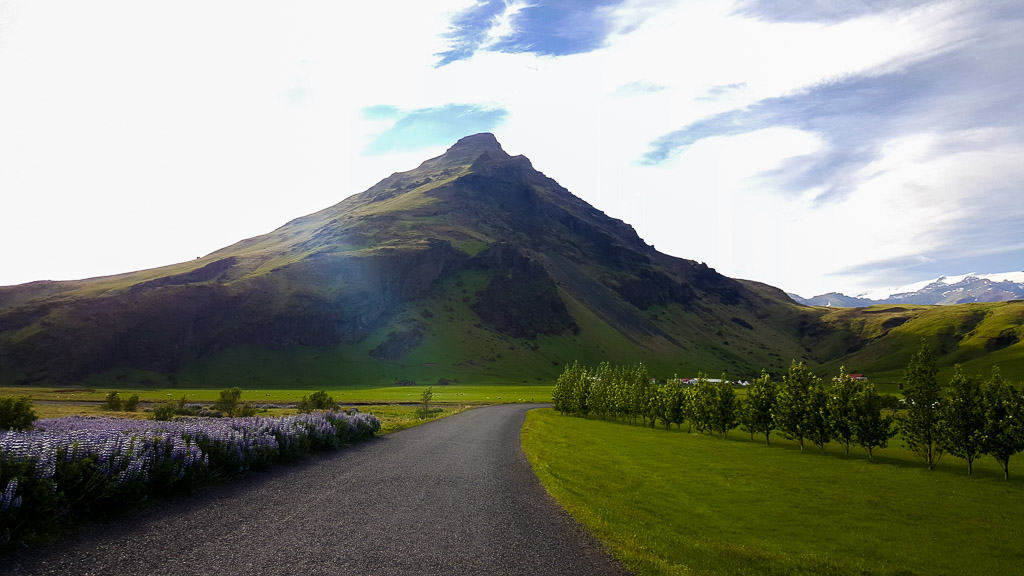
[449, 394]
[672, 502]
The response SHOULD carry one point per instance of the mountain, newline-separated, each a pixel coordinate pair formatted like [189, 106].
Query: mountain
[834, 300]
[474, 265]
[944, 290]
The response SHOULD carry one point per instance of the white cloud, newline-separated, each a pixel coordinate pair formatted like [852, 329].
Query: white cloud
[137, 135]
[502, 25]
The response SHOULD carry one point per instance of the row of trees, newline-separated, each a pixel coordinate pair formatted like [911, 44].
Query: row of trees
[801, 406]
[967, 419]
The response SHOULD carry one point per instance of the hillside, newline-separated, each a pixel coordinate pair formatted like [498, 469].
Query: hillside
[974, 335]
[473, 266]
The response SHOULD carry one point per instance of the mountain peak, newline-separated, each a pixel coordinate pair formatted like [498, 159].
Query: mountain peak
[481, 141]
[470, 148]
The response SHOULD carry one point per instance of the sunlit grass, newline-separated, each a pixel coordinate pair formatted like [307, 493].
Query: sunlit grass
[669, 502]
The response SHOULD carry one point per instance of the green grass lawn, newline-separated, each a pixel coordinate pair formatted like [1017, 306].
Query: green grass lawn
[451, 394]
[396, 417]
[670, 502]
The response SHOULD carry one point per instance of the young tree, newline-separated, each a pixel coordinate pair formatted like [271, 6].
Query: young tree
[675, 399]
[689, 404]
[920, 423]
[1004, 420]
[663, 400]
[745, 416]
[560, 393]
[760, 405]
[962, 419]
[112, 401]
[622, 397]
[638, 385]
[819, 424]
[654, 407]
[596, 396]
[703, 396]
[425, 398]
[228, 400]
[841, 410]
[131, 403]
[724, 407]
[793, 409]
[581, 392]
[567, 388]
[870, 428]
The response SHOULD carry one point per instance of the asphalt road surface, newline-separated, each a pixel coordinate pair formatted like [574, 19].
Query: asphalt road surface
[455, 496]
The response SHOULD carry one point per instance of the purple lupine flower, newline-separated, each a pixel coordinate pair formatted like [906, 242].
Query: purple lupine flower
[127, 451]
[7, 498]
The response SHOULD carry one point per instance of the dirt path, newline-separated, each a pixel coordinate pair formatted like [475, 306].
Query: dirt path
[455, 496]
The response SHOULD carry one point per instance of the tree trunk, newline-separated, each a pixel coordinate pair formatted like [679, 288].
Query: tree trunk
[801, 440]
[767, 437]
[970, 466]
[1006, 469]
[869, 455]
[847, 448]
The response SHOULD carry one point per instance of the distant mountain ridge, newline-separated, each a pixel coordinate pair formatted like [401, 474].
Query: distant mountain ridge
[944, 290]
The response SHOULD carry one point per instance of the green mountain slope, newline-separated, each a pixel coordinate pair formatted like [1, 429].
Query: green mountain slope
[472, 266]
[977, 336]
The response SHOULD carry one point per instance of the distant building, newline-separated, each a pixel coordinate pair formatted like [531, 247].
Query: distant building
[713, 381]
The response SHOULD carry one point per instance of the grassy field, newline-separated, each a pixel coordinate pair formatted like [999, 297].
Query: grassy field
[451, 394]
[393, 417]
[679, 503]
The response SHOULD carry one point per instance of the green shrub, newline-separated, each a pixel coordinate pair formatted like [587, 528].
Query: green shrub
[228, 401]
[165, 410]
[16, 413]
[113, 401]
[244, 409]
[316, 401]
[131, 404]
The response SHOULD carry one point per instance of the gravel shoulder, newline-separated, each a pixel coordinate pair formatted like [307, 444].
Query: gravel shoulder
[454, 496]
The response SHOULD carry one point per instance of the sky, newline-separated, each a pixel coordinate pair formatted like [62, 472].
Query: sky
[813, 145]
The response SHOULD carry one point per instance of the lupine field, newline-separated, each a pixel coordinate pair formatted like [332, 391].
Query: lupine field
[75, 467]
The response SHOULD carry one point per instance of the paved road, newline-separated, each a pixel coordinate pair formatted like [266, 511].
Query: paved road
[455, 496]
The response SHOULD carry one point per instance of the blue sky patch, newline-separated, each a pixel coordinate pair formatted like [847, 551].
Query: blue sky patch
[381, 112]
[553, 28]
[433, 126]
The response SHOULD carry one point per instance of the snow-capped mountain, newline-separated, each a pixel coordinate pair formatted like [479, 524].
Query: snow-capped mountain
[942, 290]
